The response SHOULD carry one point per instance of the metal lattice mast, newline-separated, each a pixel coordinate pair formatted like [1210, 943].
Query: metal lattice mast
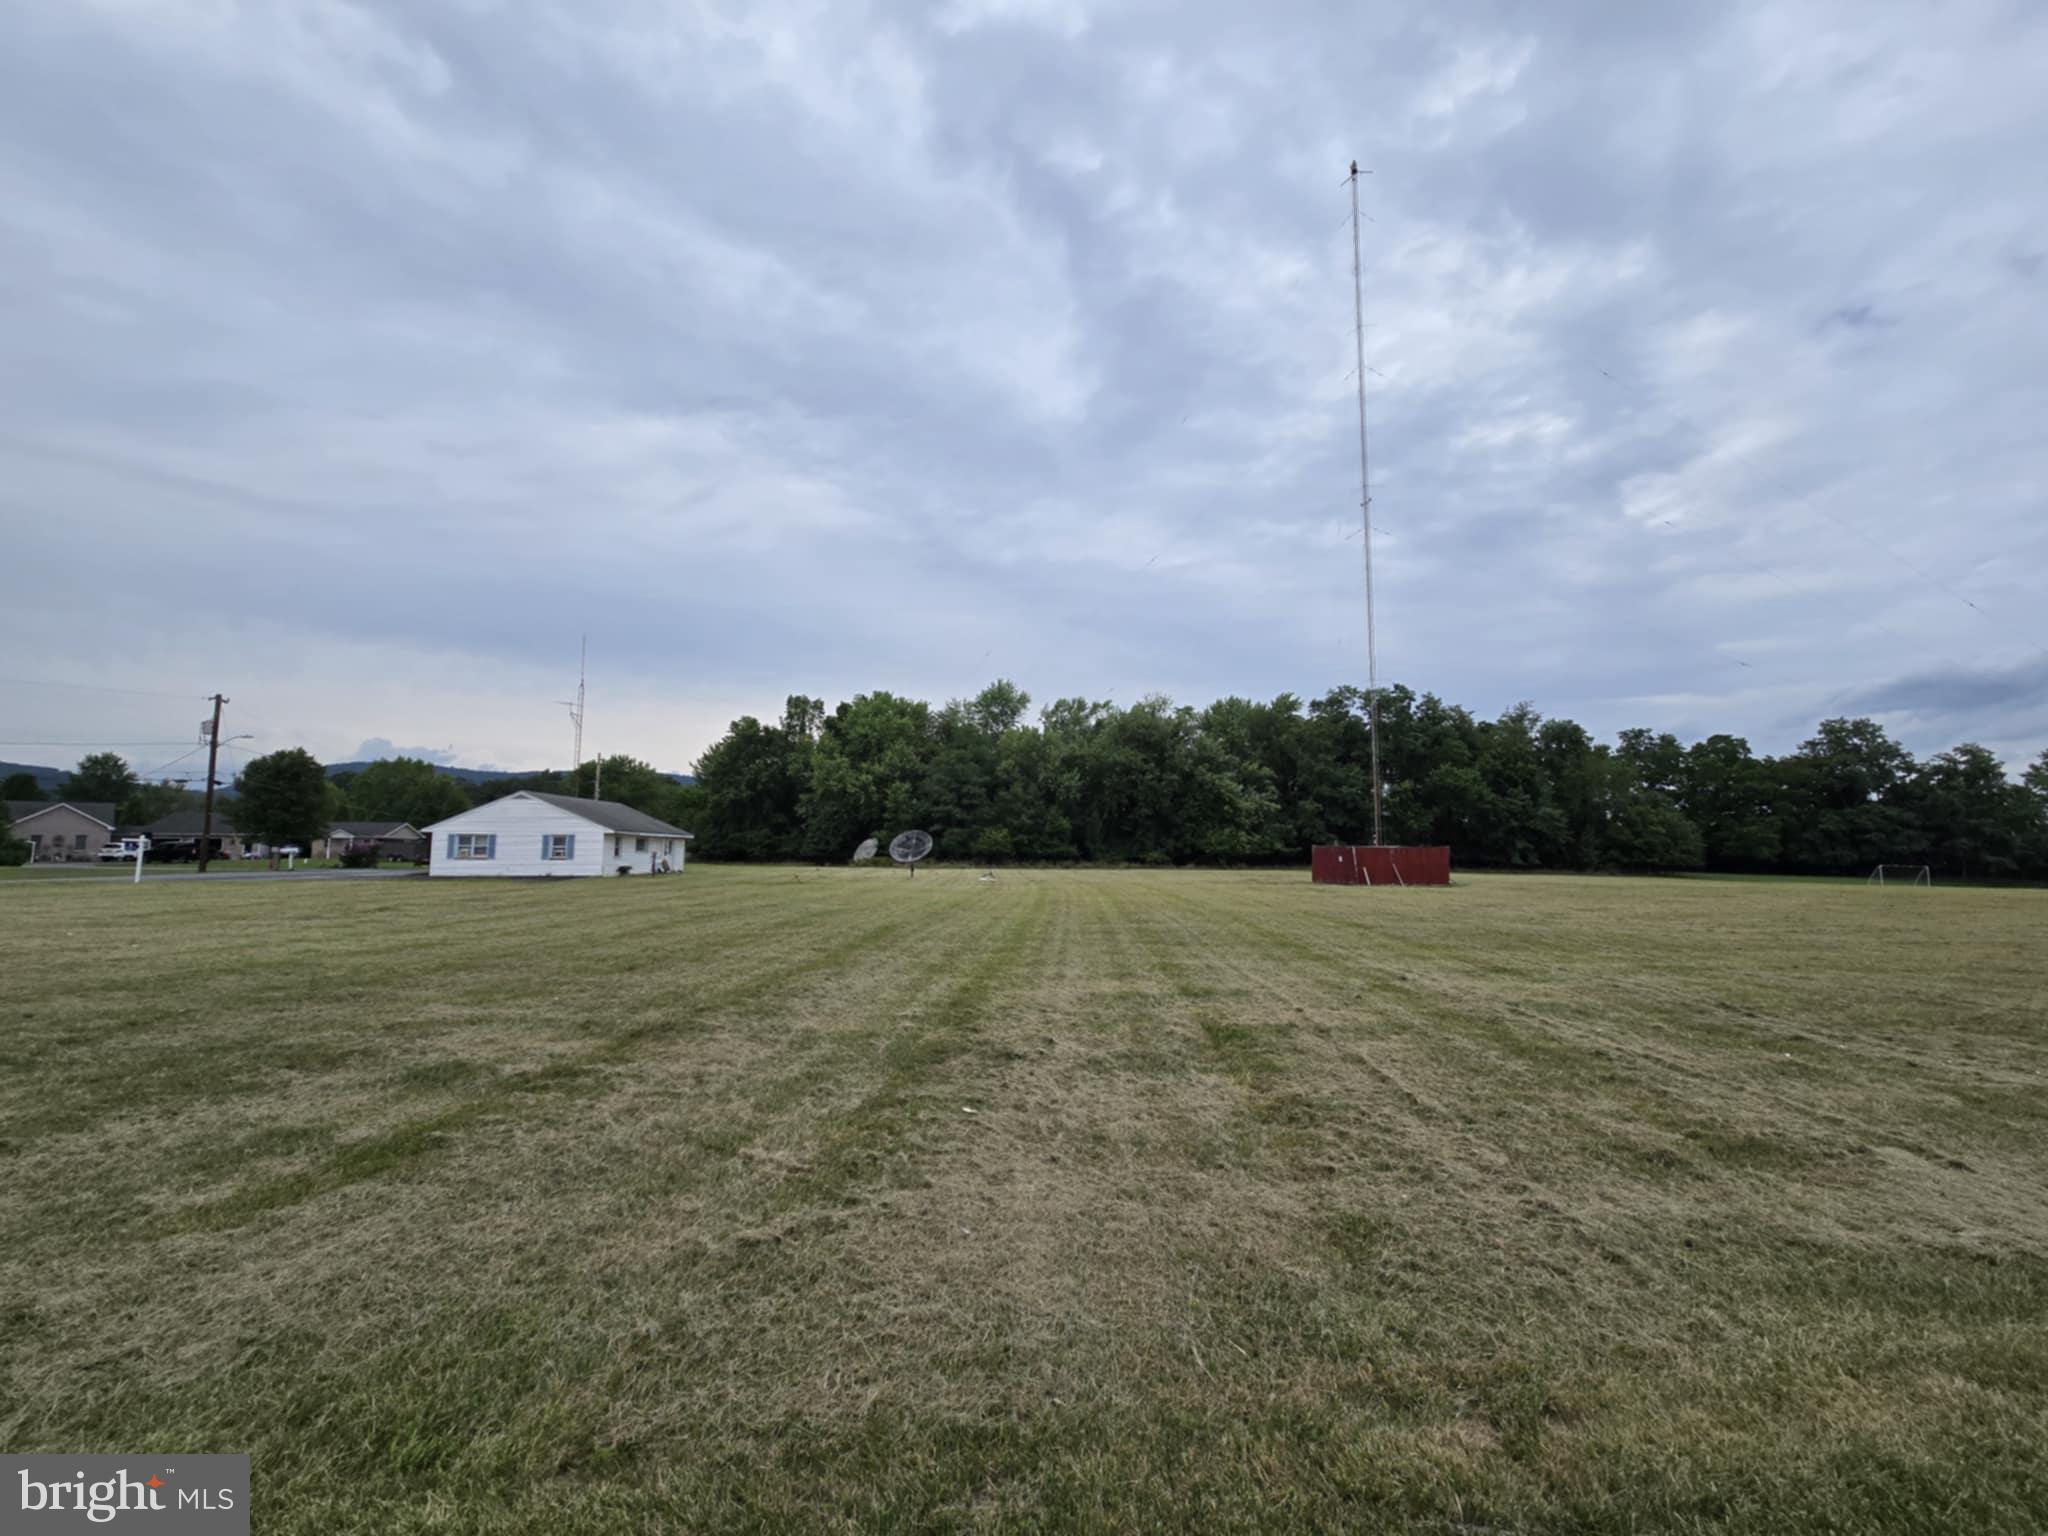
[1372, 660]
[576, 713]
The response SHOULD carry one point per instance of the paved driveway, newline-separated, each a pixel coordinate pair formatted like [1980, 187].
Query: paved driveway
[212, 877]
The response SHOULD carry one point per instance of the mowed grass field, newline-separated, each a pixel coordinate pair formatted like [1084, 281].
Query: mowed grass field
[762, 1200]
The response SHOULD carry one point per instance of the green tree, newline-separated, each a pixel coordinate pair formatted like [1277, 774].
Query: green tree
[1524, 826]
[1023, 821]
[627, 781]
[998, 708]
[152, 802]
[20, 786]
[866, 770]
[13, 850]
[283, 797]
[1840, 801]
[1580, 776]
[1645, 829]
[1243, 781]
[100, 776]
[751, 784]
[546, 782]
[1729, 795]
[1974, 820]
[1322, 769]
[2035, 782]
[406, 789]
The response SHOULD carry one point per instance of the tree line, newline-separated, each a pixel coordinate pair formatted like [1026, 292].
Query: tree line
[1244, 782]
[1238, 782]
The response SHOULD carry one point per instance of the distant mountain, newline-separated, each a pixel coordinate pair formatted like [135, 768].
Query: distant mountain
[51, 778]
[48, 778]
[483, 775]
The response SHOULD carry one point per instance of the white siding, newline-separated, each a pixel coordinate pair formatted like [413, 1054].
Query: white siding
[620, 849]
[519, 823]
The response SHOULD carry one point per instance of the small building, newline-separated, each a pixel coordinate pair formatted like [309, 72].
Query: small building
[391, 839]
[61, 831]
[529, 833]
[175, 838]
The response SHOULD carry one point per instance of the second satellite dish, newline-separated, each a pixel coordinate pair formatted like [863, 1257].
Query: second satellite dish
[865, 851]
[909, 847]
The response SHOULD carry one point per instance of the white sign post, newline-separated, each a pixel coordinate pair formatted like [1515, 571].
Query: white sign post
[141, 847]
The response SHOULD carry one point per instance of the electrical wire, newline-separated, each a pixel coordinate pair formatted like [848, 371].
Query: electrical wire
[158, 772]
[1806, 503]
[145, 693]
[97, 741]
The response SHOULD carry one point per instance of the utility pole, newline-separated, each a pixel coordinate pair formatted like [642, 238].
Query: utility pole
[597, 784]
[212, 761]
[1372, 660]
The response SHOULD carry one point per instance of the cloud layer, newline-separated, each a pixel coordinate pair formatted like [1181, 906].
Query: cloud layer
[365, 356]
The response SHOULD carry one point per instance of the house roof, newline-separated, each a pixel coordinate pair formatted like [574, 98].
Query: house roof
[372, 829]
[610, 815]
[186, 824]
[101, 811]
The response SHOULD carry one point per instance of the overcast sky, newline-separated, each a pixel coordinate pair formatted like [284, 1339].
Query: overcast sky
[361, 357]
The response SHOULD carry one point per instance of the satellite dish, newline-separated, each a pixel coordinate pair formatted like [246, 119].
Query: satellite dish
[865, 851]
[909, 847]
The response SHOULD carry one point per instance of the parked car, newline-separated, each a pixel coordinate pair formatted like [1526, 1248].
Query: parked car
[122, 851]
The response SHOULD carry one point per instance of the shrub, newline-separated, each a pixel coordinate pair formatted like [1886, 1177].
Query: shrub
[359, 856]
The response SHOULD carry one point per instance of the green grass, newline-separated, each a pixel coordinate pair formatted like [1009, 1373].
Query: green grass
[126, 868]
[760, 1200]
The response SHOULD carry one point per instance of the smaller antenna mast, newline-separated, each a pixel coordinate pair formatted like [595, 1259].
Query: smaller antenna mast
[1372, 660]
[575, 709]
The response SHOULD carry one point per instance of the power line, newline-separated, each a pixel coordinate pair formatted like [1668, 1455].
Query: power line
[97, 741]
[160, 770]
[1806, 502]
[144, 693]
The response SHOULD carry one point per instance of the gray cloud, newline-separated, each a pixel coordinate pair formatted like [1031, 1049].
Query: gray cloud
[378, 747]
[1954, 692]
[897, 346]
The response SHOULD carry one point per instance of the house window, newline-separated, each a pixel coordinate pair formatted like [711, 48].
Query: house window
[471, 845]
[78, 842]
[639, 844]
[558, 845]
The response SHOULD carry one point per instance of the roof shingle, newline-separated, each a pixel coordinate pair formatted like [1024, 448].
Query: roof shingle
[99, 810]
[612, 816]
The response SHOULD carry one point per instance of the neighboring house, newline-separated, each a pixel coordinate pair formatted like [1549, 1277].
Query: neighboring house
[527, 833]
[393, 839]
[61, 830]
[176, 837]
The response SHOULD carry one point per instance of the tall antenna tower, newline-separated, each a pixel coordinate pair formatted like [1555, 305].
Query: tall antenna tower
[1372, 659]
[576, 708]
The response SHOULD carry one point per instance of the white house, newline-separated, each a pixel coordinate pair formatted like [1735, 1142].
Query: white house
[527, 833]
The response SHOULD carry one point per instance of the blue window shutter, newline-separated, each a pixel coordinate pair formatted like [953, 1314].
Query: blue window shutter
[572, 846]
[543, 845]
[451, 845]
[491, 846]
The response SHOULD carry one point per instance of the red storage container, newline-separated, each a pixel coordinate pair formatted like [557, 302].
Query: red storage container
[1356, 864]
